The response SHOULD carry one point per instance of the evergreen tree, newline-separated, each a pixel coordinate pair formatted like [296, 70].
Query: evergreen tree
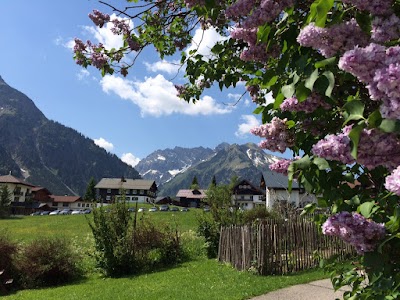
[195, 184]
[5, 201]
[214, 181]
[90, 194]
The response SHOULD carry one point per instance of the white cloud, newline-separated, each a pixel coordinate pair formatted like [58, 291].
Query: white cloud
[82, 74]
[164, 66]
[130, 159]
[204, 40]
[104, 144]
[156, 96]
[250, 122]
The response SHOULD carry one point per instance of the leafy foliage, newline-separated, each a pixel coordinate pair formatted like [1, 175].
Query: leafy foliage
[5, 201]
[315, 54]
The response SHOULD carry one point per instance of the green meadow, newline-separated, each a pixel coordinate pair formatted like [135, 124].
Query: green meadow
[200, 278]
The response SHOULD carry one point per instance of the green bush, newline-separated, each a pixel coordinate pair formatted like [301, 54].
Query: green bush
[8, 272]
[111, 231]
[48, 262]
[126, 246]
[210, 230]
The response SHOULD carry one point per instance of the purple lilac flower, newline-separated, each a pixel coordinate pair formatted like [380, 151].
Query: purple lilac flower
[385, 29]
[392, 182]
[353, 228]
[120, 27]
[276, 134]
[375, 7]
[309, 105]
[281, 166]
[99, 18]
[334, 147]
[332, 40]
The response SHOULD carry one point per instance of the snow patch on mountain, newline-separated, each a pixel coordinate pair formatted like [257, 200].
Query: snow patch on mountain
[160, 157]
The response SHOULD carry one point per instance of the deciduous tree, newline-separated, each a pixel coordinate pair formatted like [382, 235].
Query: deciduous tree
[333, 69]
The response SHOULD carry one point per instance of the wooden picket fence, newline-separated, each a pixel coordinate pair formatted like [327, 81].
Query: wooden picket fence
[278, 246]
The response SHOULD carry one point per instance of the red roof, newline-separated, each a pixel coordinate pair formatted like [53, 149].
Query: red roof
[69, 199]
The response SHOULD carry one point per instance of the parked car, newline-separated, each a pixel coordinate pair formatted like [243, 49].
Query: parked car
[174, 208]
[66, 211]
[77, 212]
[36, 213]
[55, 212]
[184, 209]
[131, 209]
[45, 213]
[206, 208]
[142, 209]
[153, 209]
[164, 207]
[87, 211]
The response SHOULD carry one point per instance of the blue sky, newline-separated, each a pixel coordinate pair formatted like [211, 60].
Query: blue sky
[130, 117]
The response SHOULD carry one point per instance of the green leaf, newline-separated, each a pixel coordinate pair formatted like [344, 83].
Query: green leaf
[309, 208]
[309, 83]
[302, 92]
[355, 110]
[302, 163]
[259, 110]
[321, 163]
[288, 90]
[390, 125]
[290, 124]
[325, 62]
[374, 119]
[366, 208]
[319, 12]
[331, 79]
[354, 136]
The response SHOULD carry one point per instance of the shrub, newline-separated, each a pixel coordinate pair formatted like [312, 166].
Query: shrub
[125, 246]
[8, 273]
[111, 232]
[210, 230]
[48, 262]
[256, 214]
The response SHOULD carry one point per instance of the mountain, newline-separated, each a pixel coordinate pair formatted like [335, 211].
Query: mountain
[246, 161]
[163, 165]
[47, 153]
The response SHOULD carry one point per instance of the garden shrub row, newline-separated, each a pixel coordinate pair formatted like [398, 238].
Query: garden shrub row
[43, 262]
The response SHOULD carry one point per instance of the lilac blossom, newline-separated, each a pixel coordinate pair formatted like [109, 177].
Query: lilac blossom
[309, 105]
[120, 27]
[281, 166]
[334, 147]
[99, 18]
[392, 182]
[375, 7]
[277, 135]
[353, 228]
[385, 29]
[332, 40]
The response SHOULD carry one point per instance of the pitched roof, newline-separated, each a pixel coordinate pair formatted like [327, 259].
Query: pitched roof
[69, 199]
[11, 179]
[274, 180]
[192, 194]
[121, 183]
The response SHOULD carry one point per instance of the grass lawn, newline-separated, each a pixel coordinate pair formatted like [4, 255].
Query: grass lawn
[198, 279]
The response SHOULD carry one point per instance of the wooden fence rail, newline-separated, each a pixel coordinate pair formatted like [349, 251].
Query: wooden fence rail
[278, 246]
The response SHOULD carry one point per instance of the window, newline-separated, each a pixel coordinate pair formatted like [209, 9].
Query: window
[135, 198]
[127, 192]
[79, 205]
[108, 198]
[65, 204]
[87, 204]
[108, 191]
[141, 192]
[134, 192]
[16, 199]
